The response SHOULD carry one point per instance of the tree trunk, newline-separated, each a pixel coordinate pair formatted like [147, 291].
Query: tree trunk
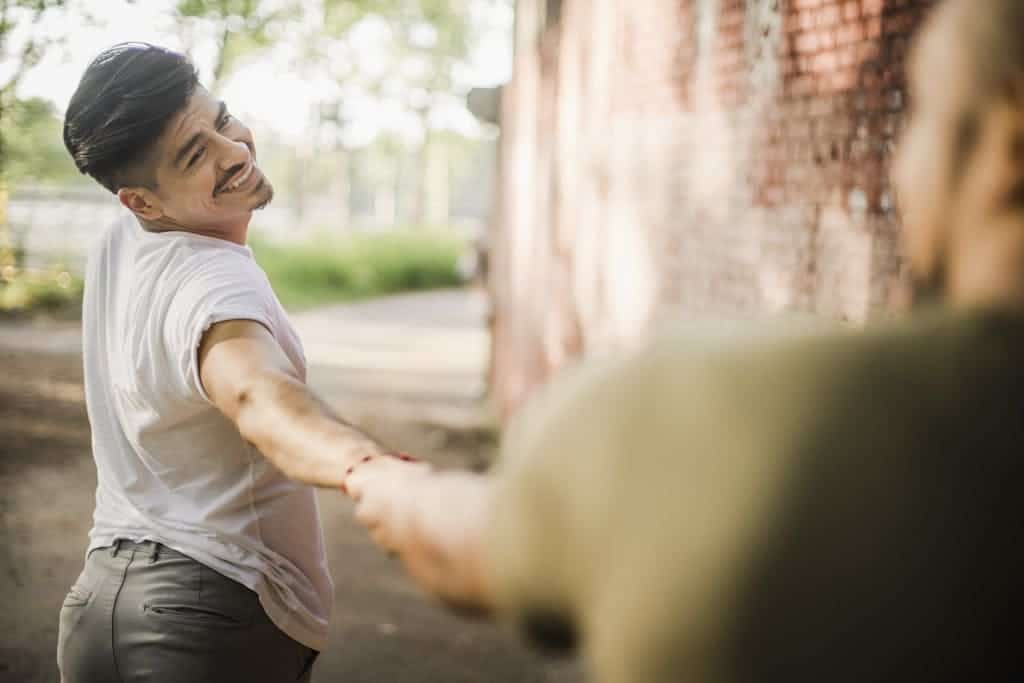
[342, 190]
[221, 62]
[421, 213]
[438, 186]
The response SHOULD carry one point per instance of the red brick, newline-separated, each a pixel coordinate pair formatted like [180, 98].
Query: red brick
[849, 33]
[804, 85]
[807, 42]
[847, 56]
[872, 27]
[898, 23]
[868, 50]
[734, 16]
[828, 16]
[824, 62]
[841, 80]
[868, 7]
[826, 128]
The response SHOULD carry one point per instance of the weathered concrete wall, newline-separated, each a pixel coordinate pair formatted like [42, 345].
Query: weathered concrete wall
[667, 159]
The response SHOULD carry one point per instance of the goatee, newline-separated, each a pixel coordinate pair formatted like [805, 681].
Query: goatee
[266, 202]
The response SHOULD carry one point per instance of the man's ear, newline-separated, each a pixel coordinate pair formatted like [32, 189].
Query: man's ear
[141, 201]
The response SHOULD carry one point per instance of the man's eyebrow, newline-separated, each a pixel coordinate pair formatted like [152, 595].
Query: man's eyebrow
[183, 152]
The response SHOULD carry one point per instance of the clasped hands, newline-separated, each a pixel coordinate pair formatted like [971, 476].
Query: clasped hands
[435, 522]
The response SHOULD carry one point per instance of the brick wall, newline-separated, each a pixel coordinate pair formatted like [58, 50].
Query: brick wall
[674, 159]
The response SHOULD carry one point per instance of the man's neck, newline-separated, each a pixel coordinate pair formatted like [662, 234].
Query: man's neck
[236, 232]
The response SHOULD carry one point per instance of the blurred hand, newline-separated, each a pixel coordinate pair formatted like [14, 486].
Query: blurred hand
[433, 521]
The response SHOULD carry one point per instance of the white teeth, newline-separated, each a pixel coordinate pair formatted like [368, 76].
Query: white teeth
[241, 179]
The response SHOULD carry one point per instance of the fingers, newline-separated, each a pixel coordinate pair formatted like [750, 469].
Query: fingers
[433, 523]
[386, 507]
[373, 510]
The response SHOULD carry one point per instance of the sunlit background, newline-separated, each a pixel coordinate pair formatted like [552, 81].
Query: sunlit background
[658, 162]
[359, 110]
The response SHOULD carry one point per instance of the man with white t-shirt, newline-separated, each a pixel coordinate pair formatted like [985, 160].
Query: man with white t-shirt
[206, 559]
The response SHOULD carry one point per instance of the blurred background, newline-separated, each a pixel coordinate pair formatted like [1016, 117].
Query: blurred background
[359, 111]
[470, 194]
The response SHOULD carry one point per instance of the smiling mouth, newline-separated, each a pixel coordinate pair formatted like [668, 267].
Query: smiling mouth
[235, 179]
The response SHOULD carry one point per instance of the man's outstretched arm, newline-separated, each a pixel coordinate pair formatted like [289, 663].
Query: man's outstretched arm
[248, 377]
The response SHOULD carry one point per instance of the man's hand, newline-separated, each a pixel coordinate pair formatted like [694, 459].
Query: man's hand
[435, 522]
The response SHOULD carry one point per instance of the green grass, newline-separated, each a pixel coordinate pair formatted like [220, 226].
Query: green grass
[54, 293]
[328, 270]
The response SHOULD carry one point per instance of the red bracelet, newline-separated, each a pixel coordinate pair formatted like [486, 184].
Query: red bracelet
[404, 457]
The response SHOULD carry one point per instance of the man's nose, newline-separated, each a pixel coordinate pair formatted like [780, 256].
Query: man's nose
[232, 152]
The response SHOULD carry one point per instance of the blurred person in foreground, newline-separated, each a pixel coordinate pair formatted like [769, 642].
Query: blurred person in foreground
[833, 506]
[205, 561]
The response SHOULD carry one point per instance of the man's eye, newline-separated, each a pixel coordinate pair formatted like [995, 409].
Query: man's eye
[195, 157]
[225, 120]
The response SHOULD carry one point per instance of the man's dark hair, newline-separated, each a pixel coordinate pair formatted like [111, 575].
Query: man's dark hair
[122, 105]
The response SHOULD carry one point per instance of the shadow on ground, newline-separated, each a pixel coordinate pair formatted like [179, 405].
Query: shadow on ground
[383, 630]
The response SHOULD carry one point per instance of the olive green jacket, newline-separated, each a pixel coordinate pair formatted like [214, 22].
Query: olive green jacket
[837, 506]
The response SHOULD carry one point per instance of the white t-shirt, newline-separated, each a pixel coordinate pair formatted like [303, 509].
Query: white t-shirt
[171, 467]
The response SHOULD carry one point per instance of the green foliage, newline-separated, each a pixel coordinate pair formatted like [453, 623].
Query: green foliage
[33, 147]
[22, 57]
[244, 27]
[331, 270]
[54, 292]
[430, 33]
[339, 16]
[17, 60]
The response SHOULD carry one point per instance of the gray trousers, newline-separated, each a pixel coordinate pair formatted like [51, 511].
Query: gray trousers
[144, 612]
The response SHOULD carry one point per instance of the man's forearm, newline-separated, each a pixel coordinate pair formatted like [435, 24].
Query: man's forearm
[297, 432]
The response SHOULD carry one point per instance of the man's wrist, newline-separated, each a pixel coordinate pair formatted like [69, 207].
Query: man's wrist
[395, 455]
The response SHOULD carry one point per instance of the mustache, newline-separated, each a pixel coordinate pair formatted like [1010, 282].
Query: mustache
[266, 202]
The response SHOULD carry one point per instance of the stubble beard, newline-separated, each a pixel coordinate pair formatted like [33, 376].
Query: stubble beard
[269, 198]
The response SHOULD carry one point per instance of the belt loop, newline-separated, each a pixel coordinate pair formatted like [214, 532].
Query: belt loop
[156, 553]
[115, 548]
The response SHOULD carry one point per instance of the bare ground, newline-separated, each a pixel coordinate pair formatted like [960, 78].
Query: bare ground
[383, 631]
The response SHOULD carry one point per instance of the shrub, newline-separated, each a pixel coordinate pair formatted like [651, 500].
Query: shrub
[327, 269]
[54, 292]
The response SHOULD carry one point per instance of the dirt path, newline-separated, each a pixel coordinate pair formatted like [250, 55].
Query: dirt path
[383, 631]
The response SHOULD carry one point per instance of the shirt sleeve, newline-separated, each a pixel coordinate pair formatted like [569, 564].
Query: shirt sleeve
[227, 287]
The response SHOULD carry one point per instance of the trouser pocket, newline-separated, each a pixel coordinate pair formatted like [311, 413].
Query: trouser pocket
[186, 593]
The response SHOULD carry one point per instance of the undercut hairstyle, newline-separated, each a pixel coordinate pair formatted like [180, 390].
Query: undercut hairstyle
[123, 103]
